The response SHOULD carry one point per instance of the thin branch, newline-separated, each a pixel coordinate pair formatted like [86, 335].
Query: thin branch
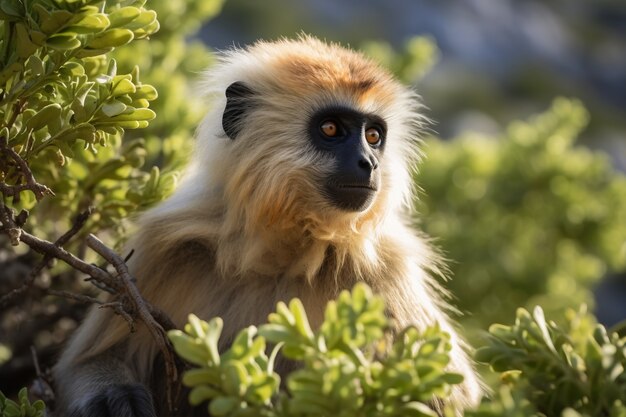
[144, 313]
[38, 189]
[8, 224]
[79, 222]
[41, 387]
[130, 303]
[44, 247]
[72, 296]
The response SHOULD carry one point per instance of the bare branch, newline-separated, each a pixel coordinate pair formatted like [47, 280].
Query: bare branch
[72, 296]
[14, 294]
[8, 224]
[129, 304]
[44, 247]
[41, 387]
[144, 313]
[31, 184]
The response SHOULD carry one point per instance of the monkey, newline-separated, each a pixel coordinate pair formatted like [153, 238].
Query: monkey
[300, 185]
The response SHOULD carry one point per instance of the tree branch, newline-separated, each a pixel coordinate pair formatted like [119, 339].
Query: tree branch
[144, 313]
[79, 222]
[31, 184]
[130, 304]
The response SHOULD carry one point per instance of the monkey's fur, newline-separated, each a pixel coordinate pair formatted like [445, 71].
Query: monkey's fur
[252, 222]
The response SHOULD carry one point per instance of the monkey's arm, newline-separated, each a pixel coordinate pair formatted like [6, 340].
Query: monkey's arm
[101, 386]
[92, 377]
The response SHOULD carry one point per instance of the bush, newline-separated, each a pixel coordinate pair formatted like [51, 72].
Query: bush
[78, 134]
[526, 218]
[346, 368]
[23, 408]
[546, 370]
[573, 370]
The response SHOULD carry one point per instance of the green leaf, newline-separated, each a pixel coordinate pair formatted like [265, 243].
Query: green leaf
[25, 46]
[63, 42]
[124, 86]
[137, 115]
[113, 108]
[55, 20]
[200, 394]
[201, 376]
[111, 38]
[222, 406]
[145, 19]
[123, 16]
[147, 92]
[91, 23]
[44, 116]
[34, 65]
[12, 8]
[91, 52]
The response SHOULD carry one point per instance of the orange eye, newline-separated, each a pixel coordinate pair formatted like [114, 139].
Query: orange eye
[329, 128]
[372, 136]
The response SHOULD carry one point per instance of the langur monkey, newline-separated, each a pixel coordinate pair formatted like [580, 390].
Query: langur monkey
[299, 186]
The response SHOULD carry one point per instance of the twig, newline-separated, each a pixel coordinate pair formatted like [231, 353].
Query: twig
[8, 224]
[130, 303]
[41, 387]
[14, 294]
[144, 313]
[72, 296]
[44, 247]
[38, 189]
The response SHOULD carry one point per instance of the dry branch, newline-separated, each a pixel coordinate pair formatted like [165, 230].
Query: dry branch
[128, 302]
[79, 222]
[156, 330]
[31, 184]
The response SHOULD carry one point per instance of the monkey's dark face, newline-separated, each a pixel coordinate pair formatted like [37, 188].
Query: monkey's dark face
[344, 170]
[355, 142]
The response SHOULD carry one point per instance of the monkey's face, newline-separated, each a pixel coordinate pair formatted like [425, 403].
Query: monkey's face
[355, 142]
[330, 159]
[320, 137]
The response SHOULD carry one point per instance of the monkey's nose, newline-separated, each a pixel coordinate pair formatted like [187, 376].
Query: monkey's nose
[368, 163]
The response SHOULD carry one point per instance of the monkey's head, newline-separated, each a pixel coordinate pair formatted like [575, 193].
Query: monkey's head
[314, 135]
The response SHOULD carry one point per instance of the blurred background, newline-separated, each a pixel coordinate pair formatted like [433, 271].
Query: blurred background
[527, 213]
[497, 61]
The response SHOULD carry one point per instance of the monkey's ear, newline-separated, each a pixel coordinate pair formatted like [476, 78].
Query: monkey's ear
[238, 101]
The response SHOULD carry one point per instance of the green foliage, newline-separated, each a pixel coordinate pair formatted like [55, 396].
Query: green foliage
[418, 57]
[64, 107]
[573, 370]
[22, 408]
[347, 368]
[69, 109]
[527, 218]
[175, 60]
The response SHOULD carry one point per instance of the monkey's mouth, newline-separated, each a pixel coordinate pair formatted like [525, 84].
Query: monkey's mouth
[357, 186]
[351, 196]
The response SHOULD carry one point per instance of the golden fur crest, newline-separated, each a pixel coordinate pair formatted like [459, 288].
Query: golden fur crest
[268, 189]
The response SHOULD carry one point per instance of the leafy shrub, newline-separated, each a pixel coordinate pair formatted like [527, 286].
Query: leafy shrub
[573, 370]
[545, 370]
[22, 408]
[526, 218]
[65, 108]
[347, 369]
[66, 104]
[77, 120]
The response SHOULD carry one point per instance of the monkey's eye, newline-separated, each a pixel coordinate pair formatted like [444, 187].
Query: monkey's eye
[329, 128]
[372, 136]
